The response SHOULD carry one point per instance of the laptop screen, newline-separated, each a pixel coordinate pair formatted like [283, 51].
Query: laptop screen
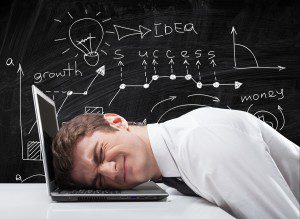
[49, 127]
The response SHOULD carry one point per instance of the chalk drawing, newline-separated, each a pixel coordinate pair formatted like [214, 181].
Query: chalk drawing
[93, 109]
[19, 177]
[256, 66]
[86, 35]
[270, 117]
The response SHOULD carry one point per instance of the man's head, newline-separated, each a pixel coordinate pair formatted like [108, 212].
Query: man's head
[103, 151]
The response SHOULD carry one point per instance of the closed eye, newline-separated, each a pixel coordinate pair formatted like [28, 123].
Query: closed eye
[101, 154]
[101, 159]
[97, 160]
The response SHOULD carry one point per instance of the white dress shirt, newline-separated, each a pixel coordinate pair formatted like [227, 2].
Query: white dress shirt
[232, 159]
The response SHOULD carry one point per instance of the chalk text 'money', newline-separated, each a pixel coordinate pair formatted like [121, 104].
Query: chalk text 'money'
[271, 94]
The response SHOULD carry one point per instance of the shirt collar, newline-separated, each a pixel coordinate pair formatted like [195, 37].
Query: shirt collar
[161, 151]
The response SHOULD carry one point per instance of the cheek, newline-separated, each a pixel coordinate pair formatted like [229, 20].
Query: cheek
[139, 162]
[130, 146]
[136, 150]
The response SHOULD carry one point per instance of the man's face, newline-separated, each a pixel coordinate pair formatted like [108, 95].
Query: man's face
[111, 160]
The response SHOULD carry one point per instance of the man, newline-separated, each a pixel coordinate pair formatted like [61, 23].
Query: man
[228, 157]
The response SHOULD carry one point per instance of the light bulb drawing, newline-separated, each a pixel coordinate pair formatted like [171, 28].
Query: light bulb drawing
[86, 35]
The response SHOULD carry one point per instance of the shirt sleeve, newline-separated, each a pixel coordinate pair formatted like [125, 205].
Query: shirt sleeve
[286, 155]
[235, 171]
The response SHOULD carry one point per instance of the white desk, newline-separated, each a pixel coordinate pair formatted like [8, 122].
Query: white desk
[31, 201]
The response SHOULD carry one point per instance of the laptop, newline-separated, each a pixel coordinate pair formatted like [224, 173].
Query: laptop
[47, 128]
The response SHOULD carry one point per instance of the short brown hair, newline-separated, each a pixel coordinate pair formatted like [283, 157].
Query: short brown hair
[66, 139]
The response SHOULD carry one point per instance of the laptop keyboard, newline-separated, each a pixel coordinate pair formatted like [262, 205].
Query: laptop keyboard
[89, 191]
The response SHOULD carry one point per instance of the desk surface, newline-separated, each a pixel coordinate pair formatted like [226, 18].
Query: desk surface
[31, 201]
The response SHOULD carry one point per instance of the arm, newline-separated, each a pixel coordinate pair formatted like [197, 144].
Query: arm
[234, 170]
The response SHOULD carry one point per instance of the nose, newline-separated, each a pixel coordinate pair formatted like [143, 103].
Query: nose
[108, 169]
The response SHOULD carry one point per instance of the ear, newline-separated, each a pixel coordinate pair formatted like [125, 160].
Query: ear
[116, 121]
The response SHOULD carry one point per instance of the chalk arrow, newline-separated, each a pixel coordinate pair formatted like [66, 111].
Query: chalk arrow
[143, 31]
[198, 62]
[144, 62]
[20, 70]
[123, 32]
[233, 31]
[120, 63]
[213, 63]
[175, 107]
[261, 67]
[214, 98]
[154, 62]
[171, 62]
[237, 84]
[186, 62]
[101, 70]
[280, 109]
[170, 98]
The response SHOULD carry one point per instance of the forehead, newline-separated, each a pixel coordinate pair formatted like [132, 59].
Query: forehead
[84, 142]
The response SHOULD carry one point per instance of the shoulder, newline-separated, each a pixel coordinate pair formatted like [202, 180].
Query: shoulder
[234, 119]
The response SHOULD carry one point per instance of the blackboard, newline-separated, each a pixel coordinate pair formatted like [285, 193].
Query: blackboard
[148, 61]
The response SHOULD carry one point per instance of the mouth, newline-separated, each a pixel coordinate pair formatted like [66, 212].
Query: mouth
[124, 170]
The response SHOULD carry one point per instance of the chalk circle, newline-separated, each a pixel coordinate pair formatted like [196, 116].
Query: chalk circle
[216, 84]
[155, 77]
[199, 84]
[188, 77]
[172, 77]
[9, 62]
[122, 86]
[18, 177]
[268, 118]
[146, 86]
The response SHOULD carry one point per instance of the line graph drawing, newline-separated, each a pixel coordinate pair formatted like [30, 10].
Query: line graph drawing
[189, 67]
[33, 151]
[199, 84]
[99, 71]
[256, 66]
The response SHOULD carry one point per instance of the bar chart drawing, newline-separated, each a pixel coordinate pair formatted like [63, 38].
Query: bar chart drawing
[93, 109]
[33, 151]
